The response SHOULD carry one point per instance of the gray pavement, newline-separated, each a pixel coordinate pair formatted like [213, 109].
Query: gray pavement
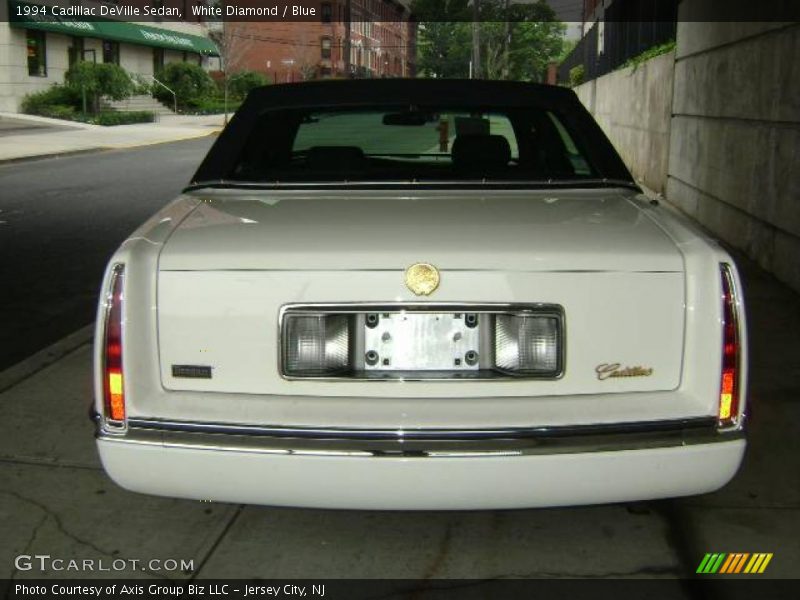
[55, 499]
[15, 126]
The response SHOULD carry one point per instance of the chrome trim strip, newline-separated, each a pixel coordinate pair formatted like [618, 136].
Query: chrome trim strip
[426, 433]
[478, 184]
[431, 443]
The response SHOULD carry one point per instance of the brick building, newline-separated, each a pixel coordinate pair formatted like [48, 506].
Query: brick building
[381, 38]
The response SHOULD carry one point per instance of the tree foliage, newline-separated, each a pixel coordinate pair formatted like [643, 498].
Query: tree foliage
[190, 83]
[517, 41]
[242, 82]
[233, 40]
[43, 102]
[651, 52]
[102, 79]
[576, 75]
[99, 79]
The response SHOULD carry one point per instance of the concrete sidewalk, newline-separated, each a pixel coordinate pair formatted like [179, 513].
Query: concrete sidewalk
[66, 137]
[56, 500]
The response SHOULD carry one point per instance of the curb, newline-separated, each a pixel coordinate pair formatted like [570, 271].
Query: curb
[8, 116]
[44, 358]
[34, 157]
[157, 142]
[69, 153]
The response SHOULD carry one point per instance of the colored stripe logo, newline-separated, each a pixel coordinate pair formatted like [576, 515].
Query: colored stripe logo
[734, 563]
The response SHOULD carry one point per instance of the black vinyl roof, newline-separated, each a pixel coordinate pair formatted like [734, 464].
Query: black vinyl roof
[360, 92]
[466, 93]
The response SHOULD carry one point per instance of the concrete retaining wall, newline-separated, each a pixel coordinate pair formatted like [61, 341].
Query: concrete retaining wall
[634, 107]
[716, 127]
[735, 139]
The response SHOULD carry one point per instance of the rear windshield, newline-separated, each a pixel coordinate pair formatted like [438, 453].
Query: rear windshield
[411, 144]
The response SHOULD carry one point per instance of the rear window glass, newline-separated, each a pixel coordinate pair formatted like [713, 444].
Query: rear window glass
[411, 144]
[367, 131]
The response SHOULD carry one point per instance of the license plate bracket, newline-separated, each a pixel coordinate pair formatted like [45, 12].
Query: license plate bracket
[413, 341]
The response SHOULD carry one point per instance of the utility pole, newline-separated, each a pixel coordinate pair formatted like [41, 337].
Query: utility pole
[507, 42]
[476, 39]
[347, 37]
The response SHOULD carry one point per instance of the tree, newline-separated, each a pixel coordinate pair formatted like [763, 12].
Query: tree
[444, 49]
[190, 83]
[517, 41]
[305, 51]
[243, 82]
[233, 41]
[445, 37]
[94, 80]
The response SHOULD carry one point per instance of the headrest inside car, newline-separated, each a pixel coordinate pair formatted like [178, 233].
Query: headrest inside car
[477, 151]
[335, 157]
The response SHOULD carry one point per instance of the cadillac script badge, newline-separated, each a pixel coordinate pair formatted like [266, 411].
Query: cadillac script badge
[612, 370]
[422, 279]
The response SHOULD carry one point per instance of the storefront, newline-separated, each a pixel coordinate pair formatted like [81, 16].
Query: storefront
[41, 49]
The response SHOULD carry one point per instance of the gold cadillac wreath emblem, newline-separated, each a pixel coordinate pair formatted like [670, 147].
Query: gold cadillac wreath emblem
[422, 279]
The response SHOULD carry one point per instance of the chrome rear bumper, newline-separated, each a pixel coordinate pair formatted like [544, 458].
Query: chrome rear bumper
[421, 442]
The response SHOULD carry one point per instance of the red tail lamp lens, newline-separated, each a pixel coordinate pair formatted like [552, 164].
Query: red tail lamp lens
[729, 382]
[113, 384]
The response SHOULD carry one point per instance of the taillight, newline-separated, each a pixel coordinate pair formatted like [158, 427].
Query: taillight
[729, 391]
[113, 382]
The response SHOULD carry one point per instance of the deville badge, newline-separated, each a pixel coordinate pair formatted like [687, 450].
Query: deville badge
[422, 279]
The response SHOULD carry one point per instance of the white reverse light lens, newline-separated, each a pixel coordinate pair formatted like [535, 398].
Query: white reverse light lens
[316, 345]
[527, 344]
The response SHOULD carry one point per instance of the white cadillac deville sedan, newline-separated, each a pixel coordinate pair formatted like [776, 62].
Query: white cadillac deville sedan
[418, 295]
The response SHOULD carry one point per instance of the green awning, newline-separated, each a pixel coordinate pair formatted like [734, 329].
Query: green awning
[107, 29]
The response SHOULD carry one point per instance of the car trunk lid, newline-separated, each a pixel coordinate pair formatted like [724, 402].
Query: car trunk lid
[234, 264]
[590, 230]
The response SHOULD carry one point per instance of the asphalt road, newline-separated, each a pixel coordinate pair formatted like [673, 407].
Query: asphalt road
[60, 221]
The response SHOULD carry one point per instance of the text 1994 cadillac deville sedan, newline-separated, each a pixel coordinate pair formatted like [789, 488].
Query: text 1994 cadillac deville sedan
[418, 295]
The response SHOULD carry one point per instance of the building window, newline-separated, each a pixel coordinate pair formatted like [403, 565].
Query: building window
[110, 52]
[158, 60]
[37, 53]
[75, 51]
[325, 12]
[325, 47]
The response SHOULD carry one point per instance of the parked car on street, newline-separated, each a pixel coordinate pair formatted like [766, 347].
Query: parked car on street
[419, 294]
